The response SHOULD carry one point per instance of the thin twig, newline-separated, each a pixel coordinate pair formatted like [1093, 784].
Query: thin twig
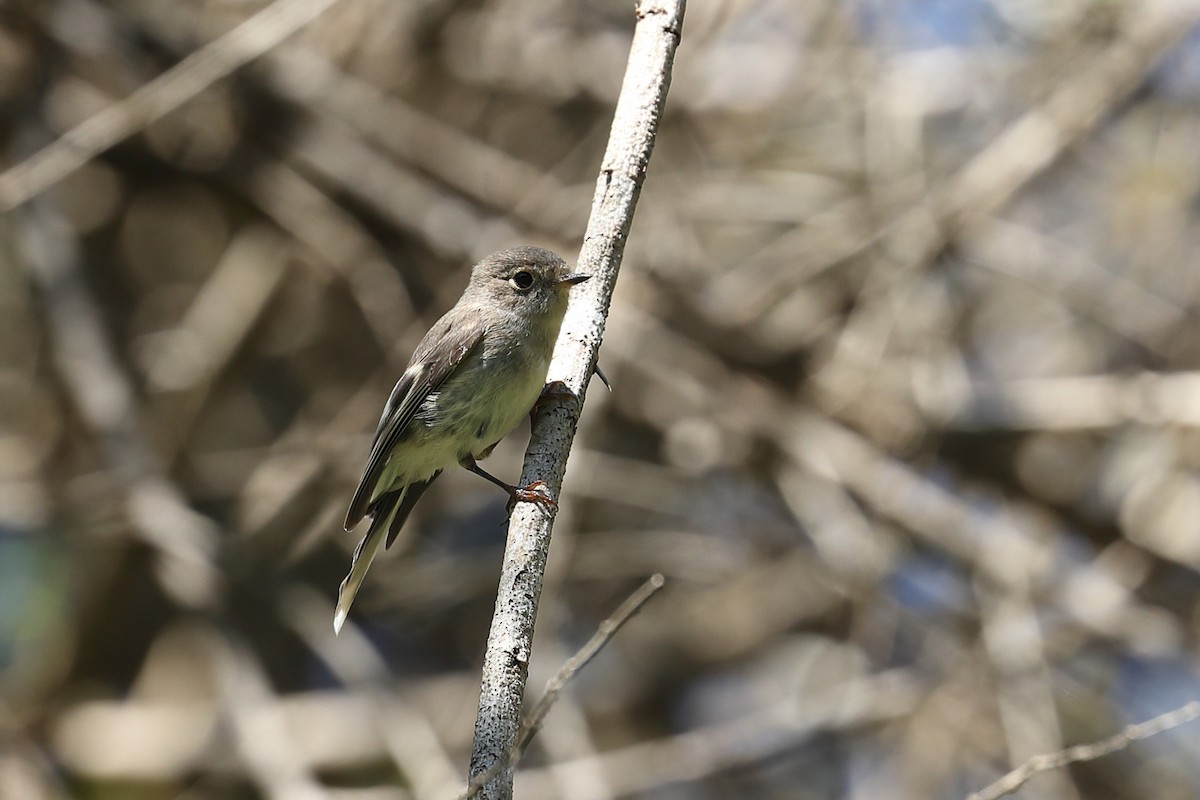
[571, 668]
[164, 94]
[635, 123]
[1088, 752]
[566, 673]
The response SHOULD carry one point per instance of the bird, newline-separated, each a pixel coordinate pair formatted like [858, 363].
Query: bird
[477, 372]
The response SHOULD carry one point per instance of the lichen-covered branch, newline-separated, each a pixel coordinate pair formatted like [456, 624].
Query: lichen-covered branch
[639, 108]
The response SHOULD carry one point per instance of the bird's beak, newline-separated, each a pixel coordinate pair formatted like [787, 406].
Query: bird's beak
[573, 278]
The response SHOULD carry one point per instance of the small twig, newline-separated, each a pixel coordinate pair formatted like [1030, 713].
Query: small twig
[571, 668]
[1088, 752]
[533, 723]
[156, 99]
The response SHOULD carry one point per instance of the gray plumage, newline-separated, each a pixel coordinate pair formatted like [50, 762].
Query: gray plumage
[477, 372]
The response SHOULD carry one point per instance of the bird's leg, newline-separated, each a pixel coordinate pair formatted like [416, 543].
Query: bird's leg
[535, 492]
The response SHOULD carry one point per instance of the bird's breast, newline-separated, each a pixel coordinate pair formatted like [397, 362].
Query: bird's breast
[487, 399]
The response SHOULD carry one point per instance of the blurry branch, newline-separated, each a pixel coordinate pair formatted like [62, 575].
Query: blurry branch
[986, 183]
[336, 239]
[465, 163]
[106, 400]
[406, 733]
[260, 725]
[1088, 752]
[282, 740]
[635, 123]
[1072, 403]
[1039, 137]
[947, 521]
[763, 600]
[452, 226]
[329, 729]
[191, 358]
[566, 673]
[756, 737]
[1113, 299]
[616, 553]
[168, 91]
[990, 540]
[26, 768]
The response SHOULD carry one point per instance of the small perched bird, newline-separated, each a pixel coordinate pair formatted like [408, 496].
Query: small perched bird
[477, 372]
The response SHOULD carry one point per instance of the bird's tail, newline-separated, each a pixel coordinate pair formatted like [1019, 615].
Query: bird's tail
[388, 515]
[365, 553]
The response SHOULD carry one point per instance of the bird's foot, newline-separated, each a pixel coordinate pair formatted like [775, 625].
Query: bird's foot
[537, 492]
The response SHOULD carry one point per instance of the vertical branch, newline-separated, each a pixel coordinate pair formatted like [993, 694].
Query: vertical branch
[506, 662]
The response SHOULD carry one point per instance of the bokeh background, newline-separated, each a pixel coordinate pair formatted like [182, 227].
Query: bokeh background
[904, 355]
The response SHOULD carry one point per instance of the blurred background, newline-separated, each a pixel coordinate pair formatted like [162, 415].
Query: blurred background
[905, 357]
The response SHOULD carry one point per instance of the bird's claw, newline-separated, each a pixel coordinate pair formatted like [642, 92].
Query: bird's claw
[536, 492]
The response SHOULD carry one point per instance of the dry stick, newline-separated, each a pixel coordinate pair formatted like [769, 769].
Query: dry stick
[506, 662]
[164, 94]
[566, 673]
[1088, 752]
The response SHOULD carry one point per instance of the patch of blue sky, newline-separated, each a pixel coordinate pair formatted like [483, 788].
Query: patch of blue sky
[1177, 76]
[1146, 687]
[928, 24]
[930, 585]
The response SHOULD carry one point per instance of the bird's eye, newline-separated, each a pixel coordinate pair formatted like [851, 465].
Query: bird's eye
[522, 280]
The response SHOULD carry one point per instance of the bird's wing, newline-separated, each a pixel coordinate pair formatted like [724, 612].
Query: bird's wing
[442, 350]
